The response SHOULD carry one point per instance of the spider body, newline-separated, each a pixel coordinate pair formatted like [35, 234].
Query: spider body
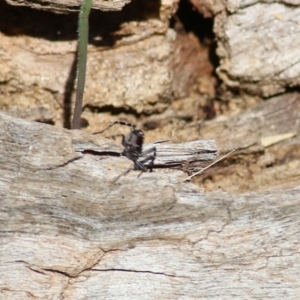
[133, 147]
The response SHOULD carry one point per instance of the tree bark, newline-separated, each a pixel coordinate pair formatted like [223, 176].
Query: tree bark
[64, 6]
[70, 231]
[258, 45]
[129, 59]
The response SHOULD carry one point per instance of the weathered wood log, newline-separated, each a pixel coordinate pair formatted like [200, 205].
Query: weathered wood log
[68, 231]
[266, 140]
[63, 6]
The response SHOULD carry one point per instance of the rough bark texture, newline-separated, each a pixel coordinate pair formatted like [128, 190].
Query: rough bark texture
[72, 228]
[259, 58]
[129, 59]
[64, 6]
[68, 231]
[258, 45]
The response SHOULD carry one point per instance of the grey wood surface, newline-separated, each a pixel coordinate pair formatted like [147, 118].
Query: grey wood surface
[63, 6]
[69, 231]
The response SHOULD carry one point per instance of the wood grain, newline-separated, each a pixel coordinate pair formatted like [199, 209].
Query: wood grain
[69, 5]
[68, 231]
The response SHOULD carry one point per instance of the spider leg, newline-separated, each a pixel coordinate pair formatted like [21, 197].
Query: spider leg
[115, 123]
[152, 149]
[148, 158]
[139, 166]
[115, 135]
[133, 145]
[162, 141]
[122, 174]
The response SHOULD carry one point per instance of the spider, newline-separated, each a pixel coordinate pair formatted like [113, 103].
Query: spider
[133, 147]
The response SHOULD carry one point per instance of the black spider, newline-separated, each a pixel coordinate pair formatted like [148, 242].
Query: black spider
[133, 147]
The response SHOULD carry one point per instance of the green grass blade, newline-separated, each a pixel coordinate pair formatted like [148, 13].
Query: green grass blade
[82, 58]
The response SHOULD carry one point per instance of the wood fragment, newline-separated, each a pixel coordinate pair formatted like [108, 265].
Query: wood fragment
[267, 141]
[63, 6]
[201, 171]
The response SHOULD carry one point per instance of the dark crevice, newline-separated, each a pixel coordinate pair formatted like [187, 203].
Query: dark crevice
[195, 59]
[19, 20]
[293, 89]
[136, 271]
[44, 121]
[114, 111]
[104, 26]
[61, 165]
[195, 22]
[59, 272]
[188, 19]
[36, 271]
[102, 153]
